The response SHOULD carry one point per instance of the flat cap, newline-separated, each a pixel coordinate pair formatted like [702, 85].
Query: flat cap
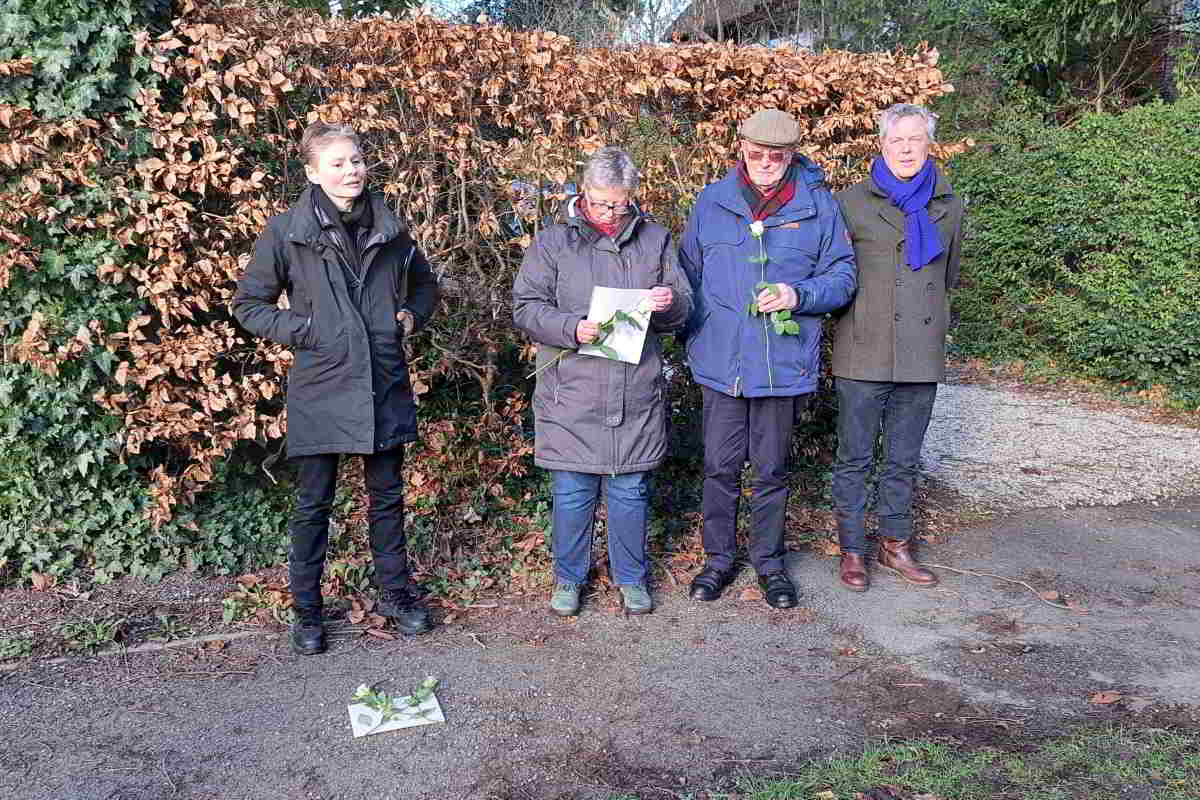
[772, 128]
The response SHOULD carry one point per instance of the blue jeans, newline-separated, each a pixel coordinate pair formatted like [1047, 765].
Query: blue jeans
[902, 411]
[575, 496]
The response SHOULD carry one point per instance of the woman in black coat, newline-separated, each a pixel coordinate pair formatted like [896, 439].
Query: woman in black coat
[357, 285]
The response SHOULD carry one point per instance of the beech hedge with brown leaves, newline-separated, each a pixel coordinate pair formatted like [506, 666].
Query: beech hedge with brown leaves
[470, 130]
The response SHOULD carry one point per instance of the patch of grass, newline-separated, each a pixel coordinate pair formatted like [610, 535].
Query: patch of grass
[91, 635]
[1111, 763]
[13, 647]
[170, 627]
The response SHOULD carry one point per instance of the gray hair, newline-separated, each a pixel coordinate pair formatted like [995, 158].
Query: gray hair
[901, 110]
[611, 168]
[319, 135]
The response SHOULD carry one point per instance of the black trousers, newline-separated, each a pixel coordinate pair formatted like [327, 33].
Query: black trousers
[902, 410]
[316, 482]
[737, 429]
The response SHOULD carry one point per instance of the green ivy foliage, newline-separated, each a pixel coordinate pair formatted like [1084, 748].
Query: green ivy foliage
[70, 500]
[82, 52]
[1081, 247]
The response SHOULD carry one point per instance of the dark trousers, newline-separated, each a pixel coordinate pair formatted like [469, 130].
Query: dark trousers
[902, 410]
[316, 481]
[737, 428]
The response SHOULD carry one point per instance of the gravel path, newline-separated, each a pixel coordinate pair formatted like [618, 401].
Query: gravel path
[1015, 451]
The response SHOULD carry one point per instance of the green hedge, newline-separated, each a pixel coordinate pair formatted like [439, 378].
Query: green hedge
[70, 501]
[1082, 247]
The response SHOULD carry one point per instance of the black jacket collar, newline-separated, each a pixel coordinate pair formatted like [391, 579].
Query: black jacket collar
[304, 226]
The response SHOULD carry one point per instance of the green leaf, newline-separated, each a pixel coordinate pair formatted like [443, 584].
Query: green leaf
[792, 327]
[608, 352]
[621, 316]
[757, 259]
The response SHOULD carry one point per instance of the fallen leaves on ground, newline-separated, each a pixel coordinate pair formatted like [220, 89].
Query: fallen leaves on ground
[1105, 698]
[381, 634]
[827, 547]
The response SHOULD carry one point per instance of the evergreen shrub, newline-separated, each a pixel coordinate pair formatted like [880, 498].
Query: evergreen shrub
[1081, 247]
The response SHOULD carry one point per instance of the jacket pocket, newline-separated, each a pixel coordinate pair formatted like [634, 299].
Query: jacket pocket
[546, 364]
[793, 255]
[724, 263]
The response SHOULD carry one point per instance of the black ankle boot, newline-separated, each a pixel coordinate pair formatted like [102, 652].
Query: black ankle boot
[308, 632]
[405, 608]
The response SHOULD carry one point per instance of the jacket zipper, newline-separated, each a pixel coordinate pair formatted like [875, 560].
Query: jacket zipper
[627, 275]
[557, 380]
[360, 284]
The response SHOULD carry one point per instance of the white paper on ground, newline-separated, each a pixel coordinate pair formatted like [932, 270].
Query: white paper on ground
[364, 720]
[625, 340]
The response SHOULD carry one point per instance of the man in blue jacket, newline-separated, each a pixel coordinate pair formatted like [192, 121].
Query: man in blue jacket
[768, 255]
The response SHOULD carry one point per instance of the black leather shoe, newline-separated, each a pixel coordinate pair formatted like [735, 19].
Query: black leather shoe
[308, 633]
[778, 590]
[709, 583]
[406, 610]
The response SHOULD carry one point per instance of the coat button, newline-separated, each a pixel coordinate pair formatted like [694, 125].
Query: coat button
[897, 318]
[614, 420]
[928, 320]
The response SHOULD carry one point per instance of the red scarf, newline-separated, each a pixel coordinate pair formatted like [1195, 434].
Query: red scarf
[764, 204]
[609, 229]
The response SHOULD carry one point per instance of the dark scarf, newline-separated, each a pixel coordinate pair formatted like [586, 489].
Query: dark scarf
[922, 243]
[350, 227]
[609, 229]
[763, 205]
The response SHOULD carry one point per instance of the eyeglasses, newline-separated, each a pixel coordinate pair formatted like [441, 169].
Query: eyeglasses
[773, 156]
[616, 208]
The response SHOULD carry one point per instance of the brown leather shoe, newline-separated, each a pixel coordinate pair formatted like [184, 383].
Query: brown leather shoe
[853, 573]
[894, 554]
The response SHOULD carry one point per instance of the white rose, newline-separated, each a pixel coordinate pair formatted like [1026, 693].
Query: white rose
[362, 691]
[756, 228]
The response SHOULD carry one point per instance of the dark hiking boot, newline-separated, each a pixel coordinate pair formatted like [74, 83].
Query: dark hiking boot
[405, 608]
[308, 632]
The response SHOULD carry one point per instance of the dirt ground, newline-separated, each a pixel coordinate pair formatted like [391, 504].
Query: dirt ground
[1044, 614]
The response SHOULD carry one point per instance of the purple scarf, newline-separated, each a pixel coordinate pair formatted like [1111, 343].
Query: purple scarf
[912, 197]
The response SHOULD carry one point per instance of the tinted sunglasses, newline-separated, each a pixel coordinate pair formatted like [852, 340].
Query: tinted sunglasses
[773, 156]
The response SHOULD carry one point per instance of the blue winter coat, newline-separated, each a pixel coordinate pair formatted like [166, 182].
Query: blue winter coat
[807, 247]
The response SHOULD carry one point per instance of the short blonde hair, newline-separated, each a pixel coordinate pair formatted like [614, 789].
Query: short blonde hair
[319, 135]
